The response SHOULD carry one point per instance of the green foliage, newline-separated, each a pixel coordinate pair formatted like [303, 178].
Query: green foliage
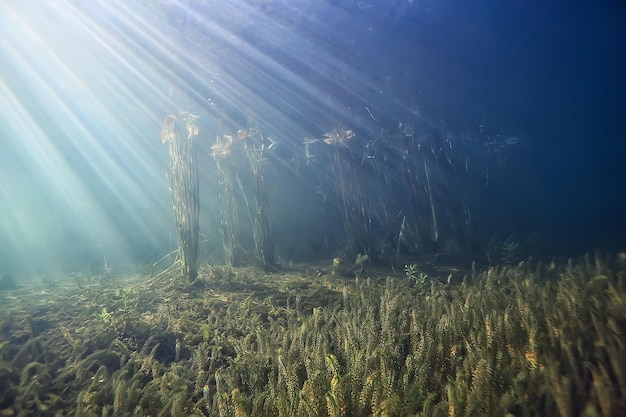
[179, 131]
[519, 341]
[127, 295]
[103, 316]
[416, 276]
[510, 251]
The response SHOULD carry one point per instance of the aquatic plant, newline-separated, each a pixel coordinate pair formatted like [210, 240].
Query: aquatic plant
[418, 165]
[353, 200]
[227, 177]
[179, 131]
[417, 277]
[524, 340]
[510, 251]
[256, 144]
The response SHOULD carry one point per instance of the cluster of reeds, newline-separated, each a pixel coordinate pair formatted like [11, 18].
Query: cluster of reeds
[353, 201]
[421, 220]
[393, 191]
[527, 340]
[179, 131]
[254, 146]
[229, 222]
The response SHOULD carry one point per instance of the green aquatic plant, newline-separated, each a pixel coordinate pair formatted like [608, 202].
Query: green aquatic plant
[227, 178]
[510, 251]
[353, 200]
[524, 340]
[417, 277]
[257, 202]
[256, 145]
[179, 132]
[127, 295]
[103, 316]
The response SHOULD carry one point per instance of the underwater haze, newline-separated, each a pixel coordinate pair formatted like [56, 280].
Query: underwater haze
[395, 129]
[320, 208]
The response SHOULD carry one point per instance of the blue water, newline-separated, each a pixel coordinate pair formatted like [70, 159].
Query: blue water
[517, 110]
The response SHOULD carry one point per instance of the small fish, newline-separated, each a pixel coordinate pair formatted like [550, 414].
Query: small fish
[512, 141]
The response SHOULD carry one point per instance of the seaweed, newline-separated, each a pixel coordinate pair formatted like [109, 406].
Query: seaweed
[524, 340]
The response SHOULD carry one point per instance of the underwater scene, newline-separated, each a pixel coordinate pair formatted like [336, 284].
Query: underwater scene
[312, 208]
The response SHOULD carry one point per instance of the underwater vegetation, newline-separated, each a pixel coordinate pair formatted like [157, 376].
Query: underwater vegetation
[393, 189]
[384, 192]
[255, 145]
[526, 340]
[179, 133]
